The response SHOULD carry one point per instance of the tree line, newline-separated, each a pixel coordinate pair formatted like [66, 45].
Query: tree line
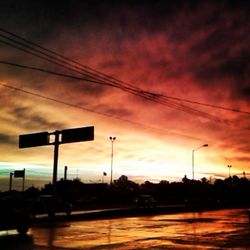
[230, 192]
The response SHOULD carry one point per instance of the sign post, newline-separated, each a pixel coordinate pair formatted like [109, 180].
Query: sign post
[17, 174]
[56, 151]
[10, 183]
[67, 136]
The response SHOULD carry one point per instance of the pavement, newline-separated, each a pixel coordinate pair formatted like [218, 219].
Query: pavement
[114, 213]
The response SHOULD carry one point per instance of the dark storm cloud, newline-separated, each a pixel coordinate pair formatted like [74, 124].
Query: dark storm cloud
[150, 16]
[245, 93]
[88, 88]
[236, 142]
[204, 28]
[41, 18]
[127, 20]
[28, 119]
[215, 37]
[236, 67]
[7, 139]
[46, 19]
[120, 112]
[219, 55]
[112, 64]
[239, 159]
[115, 111]
[244, 148]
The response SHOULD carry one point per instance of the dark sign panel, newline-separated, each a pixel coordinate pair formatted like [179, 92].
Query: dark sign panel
[34, 140]
[19, 173]
[78, 134]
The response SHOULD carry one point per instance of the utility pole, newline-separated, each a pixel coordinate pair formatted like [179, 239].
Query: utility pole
[204, 145]
[229, 170]
[10, 183]
[61, 137]
[55, 165]
[65, 172]
[112, 139]
[23, 178]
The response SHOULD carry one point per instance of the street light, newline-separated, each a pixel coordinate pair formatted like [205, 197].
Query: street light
[112, 139]
[229, 170]
[204, 145]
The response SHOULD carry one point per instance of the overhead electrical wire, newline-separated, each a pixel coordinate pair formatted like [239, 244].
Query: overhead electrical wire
[168, 103]
[85, 73]
[144, 94]
[208, 105]
[97, 112]
[91, 75]
[105, 76]
[96, 73]
[52, 54]
[55, 59]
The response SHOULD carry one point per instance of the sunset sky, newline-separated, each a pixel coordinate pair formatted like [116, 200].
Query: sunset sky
[187, 63]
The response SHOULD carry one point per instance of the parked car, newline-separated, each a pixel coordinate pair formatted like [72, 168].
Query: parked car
[48, 204]
[145, 201]
[14, 217]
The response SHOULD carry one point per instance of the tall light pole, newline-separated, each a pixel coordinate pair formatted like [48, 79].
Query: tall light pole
[204, 145]
[229, 170]
[112, 139]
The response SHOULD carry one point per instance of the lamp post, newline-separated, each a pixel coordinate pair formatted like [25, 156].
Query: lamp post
[204, 145]
[229, 170]
[112, 139]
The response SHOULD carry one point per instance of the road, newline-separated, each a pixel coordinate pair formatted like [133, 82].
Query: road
[222, 229]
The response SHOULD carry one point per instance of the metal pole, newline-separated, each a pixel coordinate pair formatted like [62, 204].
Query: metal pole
[10, 184]
[56, 150]
[23, 178]
[229, 170]
[193, 163]
[112, 155]
[204, 145]
[65, 172]
[112, 139]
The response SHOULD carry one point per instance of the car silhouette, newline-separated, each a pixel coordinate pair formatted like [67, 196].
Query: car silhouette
[145, 201]
[14, 217]
[50, 205]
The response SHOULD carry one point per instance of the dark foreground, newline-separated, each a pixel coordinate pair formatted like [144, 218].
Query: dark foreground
[221, 229]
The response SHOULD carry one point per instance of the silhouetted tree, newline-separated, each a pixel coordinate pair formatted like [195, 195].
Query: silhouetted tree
[204, 180]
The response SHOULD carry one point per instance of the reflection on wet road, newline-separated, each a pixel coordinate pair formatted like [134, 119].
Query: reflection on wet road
[224, 229]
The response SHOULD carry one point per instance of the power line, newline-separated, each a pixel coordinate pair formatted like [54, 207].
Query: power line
[62, 58]
[28, 48]
[96, 112]
[50, 72]
[208, 105]
[147, 96]
[136, 91]
[98, 77]
[88, 70]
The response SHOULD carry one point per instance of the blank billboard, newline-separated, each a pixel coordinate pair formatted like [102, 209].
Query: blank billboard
[34, 140]
[78, 134]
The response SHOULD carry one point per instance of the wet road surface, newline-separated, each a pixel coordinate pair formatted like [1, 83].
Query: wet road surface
[223, 229]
